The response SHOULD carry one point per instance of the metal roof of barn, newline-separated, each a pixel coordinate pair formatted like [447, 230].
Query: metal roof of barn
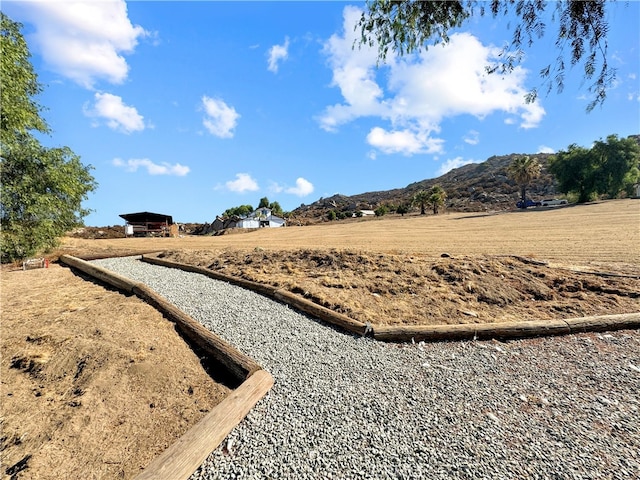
[143, 217]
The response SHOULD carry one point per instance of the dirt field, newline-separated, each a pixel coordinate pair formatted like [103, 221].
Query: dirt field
[392, 271]
[95, 384]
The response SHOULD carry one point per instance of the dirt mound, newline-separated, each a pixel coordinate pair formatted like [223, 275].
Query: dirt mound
[392, 289]
[117, 231]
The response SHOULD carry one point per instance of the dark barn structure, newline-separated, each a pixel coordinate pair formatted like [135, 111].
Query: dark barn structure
[144, 224]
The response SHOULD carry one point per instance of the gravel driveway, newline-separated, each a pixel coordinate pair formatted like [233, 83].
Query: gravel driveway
[345, 407]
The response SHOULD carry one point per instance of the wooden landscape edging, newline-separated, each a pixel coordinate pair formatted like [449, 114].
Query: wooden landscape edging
[181, 459]
[508, 330]
[398, 333]
[284, 296]
[177, 461]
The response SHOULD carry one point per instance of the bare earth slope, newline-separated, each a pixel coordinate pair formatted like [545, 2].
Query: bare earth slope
[95, 384]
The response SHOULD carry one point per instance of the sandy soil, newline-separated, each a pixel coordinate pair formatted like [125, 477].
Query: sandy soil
[95, 384]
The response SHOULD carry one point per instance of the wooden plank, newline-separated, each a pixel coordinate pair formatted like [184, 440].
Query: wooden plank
[182, 458]
[604, 322]
[263, 289]
[238, 364]
[100, 273]
[320, 312]
[470, 331]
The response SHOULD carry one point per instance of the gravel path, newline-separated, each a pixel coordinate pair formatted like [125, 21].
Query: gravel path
[351, 408]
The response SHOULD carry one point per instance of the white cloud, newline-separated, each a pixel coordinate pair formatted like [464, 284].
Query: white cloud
[133, 164]
[406, 142]
[242, 183]
[455, 163]
[275, 187]
[545, 149]
[117, 115]
[302, 189]
[472, 137]
[415, 93]
[84, 41]
[278, 53]
[221, 119]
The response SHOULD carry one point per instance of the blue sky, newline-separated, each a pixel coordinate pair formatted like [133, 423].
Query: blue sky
[190, 108]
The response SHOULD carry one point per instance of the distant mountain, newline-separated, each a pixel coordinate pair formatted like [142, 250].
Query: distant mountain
[476, 187]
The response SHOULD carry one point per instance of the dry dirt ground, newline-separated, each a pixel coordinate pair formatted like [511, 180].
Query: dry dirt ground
[391, 271]
[95, 384]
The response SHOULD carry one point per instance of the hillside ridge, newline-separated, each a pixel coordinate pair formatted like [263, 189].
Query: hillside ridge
[475, 187]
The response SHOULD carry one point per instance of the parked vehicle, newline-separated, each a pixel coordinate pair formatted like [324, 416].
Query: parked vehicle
[553, 202]
[527, 203]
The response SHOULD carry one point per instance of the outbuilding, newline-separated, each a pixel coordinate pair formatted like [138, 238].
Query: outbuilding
[144, 224]
[262, 217]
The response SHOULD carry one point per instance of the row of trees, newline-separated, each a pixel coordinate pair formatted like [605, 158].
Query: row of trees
[244, 210]
[42, 188]
[607, 169]
[434, 198]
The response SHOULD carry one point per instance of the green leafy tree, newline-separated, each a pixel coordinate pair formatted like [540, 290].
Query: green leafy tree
[523, 170]
[239, 211]
[437, 197]
[402, 209]
[608, 168]
[42, 188]
[407, 26]
[264, 203]
[618, 164]
[275, 208]
[421, 198]
[332, 215]
[381, 211]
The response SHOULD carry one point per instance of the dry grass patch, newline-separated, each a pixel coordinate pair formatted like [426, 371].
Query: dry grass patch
[95, 384]
[409, 289]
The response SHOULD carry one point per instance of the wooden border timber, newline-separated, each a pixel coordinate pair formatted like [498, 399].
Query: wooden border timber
[182, 458]
[177, 461]
[467, 331]
[507, 330]
[284, 296]
[236, 362]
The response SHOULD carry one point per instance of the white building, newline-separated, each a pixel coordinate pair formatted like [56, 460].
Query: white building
[261, 218]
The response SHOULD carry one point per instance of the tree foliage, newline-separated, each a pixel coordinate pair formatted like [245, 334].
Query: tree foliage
[437, 197]
[607, 168]
[239, 211]
[403, 208]
[381, 211]
[406, 26]
[421, 198]
[276, 209]
[42, 188]
[523, 170]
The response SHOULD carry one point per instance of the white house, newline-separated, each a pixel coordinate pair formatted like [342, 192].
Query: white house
[261, 218]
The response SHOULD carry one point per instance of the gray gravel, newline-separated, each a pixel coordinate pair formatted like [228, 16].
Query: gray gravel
[345, 407]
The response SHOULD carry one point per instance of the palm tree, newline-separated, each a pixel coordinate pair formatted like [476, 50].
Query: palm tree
[522, 171]
[437, 196]
[421, 198]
